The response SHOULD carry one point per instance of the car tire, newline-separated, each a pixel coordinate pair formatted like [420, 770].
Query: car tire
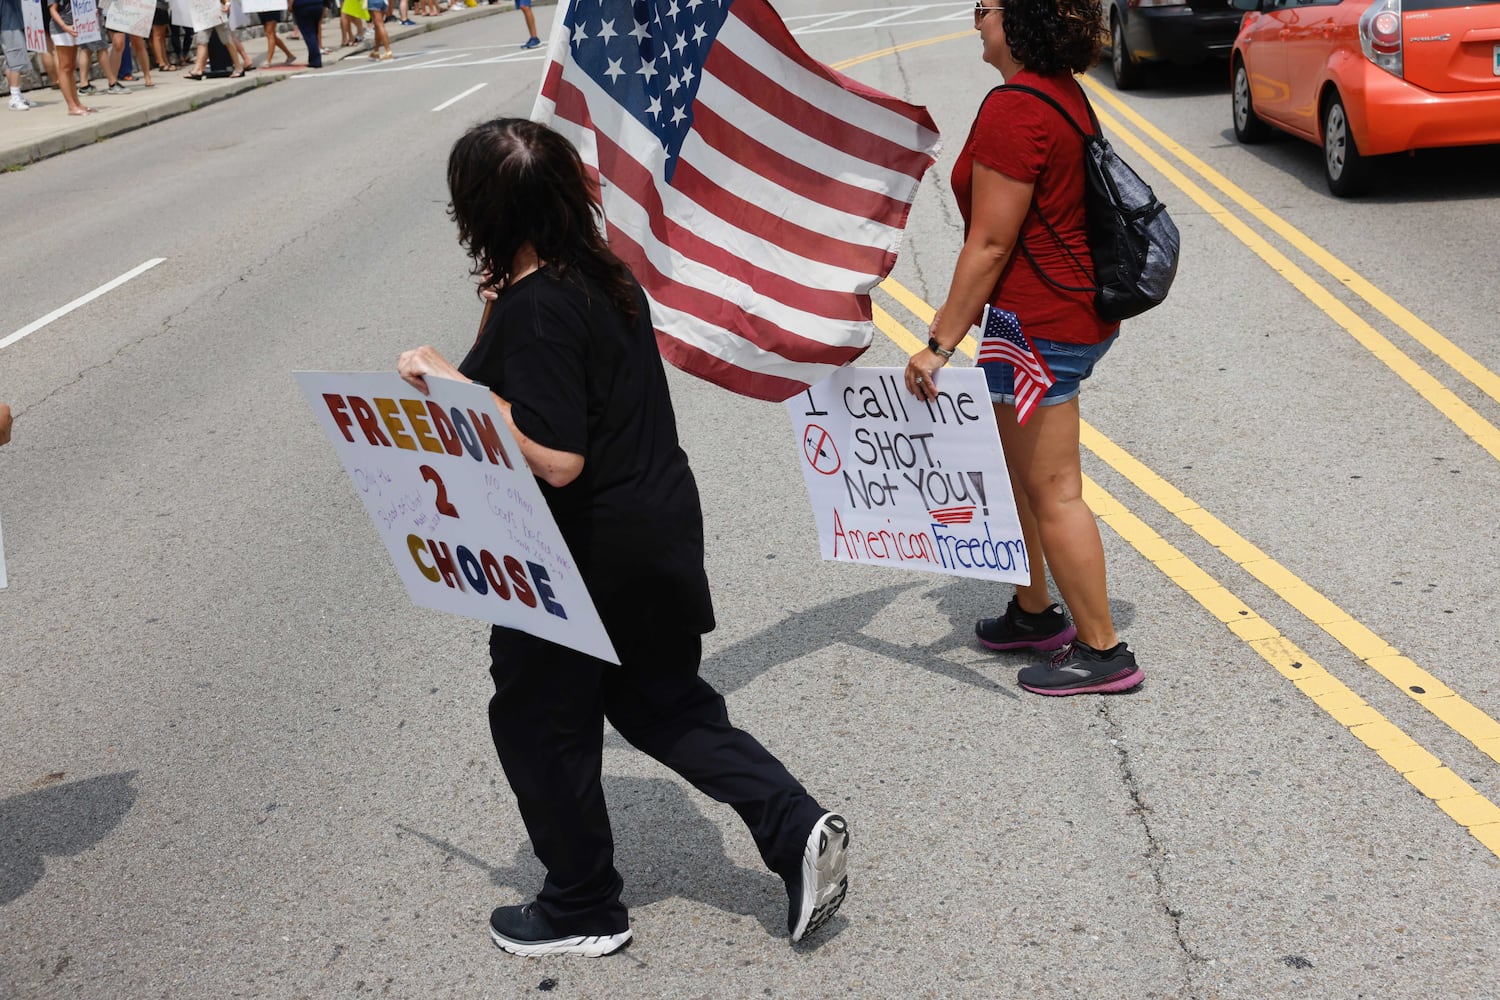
[1127, 70]
[1347, 169]
[1248, 126]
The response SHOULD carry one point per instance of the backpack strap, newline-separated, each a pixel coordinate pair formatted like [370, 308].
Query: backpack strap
[1056, 236]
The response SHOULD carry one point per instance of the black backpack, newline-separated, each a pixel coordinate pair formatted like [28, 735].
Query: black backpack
[1131, 237]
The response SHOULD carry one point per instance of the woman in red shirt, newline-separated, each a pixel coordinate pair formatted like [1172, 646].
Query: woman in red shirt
[1023, 164]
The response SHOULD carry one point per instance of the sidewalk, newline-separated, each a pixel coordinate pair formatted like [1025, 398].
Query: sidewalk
[47, 129]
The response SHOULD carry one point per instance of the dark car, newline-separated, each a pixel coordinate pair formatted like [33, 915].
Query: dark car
[1171, 31]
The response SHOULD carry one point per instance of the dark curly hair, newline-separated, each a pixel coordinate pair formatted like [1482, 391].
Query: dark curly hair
[513, 182]
[1054, 36]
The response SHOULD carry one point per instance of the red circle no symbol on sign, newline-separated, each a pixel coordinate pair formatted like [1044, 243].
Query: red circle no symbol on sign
[817, 445]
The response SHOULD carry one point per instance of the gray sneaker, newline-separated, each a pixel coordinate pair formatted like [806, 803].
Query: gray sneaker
[88, 89]
[1081, 669]
[117, 88]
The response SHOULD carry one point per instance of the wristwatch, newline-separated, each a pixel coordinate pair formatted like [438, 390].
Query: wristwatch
[943, 352]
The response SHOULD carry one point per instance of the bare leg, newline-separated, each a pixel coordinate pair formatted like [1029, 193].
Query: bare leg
[67, 82]
[242, 58]
[159, 46]
[117, 42]
[138, 46]
[530, 23]
[1045, 456]
[110, 65]
[382, 40]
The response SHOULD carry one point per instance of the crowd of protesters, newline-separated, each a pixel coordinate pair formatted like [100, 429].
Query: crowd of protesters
[122, 59]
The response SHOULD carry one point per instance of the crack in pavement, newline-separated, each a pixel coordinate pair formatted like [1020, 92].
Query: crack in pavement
[1156, 854]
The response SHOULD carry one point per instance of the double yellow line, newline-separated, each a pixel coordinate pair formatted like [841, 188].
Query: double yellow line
[1422, 769]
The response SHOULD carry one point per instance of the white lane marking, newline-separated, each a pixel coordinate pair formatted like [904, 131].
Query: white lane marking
[403, 62]
[4, 581]
[82, 300]
[371, 70]
[454, 100]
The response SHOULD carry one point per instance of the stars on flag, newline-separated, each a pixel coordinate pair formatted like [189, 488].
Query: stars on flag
[1002, 340]
[654, 69]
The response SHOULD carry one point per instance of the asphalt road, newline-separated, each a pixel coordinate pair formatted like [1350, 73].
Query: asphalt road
[239, 763]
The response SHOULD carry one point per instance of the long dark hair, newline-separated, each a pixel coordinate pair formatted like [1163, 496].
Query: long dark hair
[513, 182]
[1054, 36]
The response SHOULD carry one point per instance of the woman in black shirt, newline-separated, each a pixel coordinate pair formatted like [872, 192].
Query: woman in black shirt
[569, 354]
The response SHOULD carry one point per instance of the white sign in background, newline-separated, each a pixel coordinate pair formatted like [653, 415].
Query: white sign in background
[133, 17]
[895, 481]
[34, 18]
[200, 15]
[85, 21]
[465, 523]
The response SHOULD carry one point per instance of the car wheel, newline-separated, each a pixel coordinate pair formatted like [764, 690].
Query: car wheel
[1248, 127]
[1127, 71]
[1346, 167]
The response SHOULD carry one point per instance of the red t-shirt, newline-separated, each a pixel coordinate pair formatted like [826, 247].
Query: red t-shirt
[1025, 138]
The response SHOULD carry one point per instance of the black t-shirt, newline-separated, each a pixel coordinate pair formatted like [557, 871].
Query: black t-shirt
[581, 378]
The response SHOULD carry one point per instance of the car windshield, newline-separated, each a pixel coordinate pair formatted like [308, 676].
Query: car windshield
[1407, 6]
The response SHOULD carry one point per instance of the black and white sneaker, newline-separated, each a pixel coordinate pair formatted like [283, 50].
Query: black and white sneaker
[521, 930]
[819, 885]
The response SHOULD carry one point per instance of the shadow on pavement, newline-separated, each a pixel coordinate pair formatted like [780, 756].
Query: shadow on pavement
[841, 622]
[665, 849]
[59, 820]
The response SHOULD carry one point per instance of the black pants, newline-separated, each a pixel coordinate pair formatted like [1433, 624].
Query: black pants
[307, 17]
[547, 719]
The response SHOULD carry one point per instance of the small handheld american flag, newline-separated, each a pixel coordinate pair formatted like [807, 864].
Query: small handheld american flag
[1002, 340]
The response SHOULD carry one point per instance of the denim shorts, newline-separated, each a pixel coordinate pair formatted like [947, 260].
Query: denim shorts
[376, 5]
[1070, 364]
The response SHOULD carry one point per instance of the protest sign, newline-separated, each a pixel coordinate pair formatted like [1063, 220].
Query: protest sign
[85, 21]
[200, 15]
[257, 6]
[464, 521]
[895, 481]
[34, 20]
[133, 17]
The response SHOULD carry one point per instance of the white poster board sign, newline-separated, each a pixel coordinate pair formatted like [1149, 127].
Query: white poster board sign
[86, 21]
[34, 19]
[464, 521]
[895, 481]
[259, 6]
[133, 17]
[200, 15]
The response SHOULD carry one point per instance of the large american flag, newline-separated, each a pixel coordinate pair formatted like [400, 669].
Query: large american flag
[757, 194]
[1002, 340]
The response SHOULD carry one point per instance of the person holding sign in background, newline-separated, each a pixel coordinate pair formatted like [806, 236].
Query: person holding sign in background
[569, 354]
[65, 40]
[17, 57]
[1019, 184]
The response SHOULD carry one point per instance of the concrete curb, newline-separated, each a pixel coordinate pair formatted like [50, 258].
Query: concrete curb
[93, 130]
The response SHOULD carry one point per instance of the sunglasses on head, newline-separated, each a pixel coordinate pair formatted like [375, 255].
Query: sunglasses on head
[980, 10]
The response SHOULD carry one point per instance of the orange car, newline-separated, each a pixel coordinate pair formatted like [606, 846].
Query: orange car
[1367, 77]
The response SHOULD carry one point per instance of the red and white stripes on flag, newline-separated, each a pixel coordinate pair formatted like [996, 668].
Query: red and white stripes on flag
[1001, 339]
[756, 194]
